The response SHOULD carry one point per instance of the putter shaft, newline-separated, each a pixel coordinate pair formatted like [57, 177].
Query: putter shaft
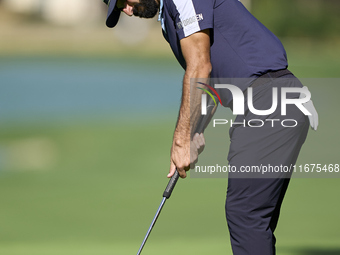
[152, 224]
[172, 182]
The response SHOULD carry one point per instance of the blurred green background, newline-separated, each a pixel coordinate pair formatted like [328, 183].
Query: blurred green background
[85, 134]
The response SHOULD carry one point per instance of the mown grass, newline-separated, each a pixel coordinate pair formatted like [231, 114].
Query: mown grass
[105, 187]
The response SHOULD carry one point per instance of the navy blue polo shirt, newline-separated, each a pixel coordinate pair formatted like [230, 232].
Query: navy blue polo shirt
[241, 47]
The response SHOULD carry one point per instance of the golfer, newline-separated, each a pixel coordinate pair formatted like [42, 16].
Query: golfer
[221, 39]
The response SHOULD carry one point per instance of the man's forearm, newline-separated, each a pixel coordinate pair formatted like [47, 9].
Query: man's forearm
[196, 52]
[189, 113]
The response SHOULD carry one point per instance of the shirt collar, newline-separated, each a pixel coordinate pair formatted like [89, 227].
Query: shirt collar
[160, 15]
[160, 10]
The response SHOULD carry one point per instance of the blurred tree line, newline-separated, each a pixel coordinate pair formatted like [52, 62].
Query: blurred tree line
[293, 18]
[301, 18]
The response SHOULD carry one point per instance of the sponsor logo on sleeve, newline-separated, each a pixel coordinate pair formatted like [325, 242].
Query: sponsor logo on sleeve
[188, 21]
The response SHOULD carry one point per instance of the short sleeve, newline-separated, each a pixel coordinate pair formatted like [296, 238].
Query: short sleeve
[192, 16]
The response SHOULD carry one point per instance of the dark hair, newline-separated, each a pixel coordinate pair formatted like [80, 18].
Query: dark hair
[145, 9]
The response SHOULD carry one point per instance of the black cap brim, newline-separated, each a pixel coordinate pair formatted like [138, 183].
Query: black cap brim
[112, 15]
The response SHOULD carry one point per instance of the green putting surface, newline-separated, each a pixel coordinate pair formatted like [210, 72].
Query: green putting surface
[101, 192]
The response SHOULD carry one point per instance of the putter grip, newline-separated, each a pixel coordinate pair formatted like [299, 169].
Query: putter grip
[171, 185]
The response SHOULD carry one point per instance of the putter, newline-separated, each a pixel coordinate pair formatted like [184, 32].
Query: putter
[172, 183]
[167, 193]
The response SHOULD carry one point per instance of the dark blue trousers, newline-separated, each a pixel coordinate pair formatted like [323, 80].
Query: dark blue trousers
[253, 204]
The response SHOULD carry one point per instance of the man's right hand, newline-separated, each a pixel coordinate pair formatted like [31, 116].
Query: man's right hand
[185, 155]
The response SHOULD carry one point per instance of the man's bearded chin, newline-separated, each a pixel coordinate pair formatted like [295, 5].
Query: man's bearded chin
[146, 9]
